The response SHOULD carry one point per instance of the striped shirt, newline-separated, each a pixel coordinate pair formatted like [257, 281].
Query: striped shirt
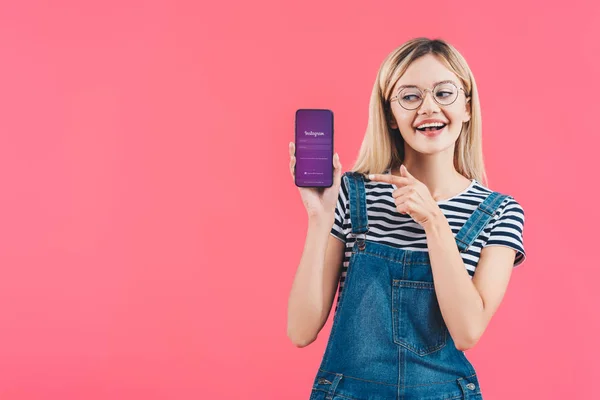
[388, 226]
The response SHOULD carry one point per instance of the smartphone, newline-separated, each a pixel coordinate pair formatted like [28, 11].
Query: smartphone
[314, 148]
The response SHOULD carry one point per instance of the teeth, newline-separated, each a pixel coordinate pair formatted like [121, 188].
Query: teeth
[436, 124]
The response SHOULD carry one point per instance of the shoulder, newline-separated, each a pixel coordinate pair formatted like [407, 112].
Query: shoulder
[509, 205]
[506, 227]
[511, 212]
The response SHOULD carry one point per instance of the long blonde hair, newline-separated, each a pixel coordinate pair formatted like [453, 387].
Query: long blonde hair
[383, 147]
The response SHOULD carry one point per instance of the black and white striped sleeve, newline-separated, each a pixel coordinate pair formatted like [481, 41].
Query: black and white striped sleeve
[507, 229]
[341, 224]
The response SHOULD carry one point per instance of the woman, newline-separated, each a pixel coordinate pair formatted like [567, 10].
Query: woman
[422, 249]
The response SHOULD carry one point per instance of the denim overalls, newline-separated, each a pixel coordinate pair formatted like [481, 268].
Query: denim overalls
[389, 340]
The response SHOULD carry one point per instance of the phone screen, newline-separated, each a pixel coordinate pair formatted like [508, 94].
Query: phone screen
[314, 148]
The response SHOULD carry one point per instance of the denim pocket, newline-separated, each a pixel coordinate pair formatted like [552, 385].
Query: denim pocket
[416, 317]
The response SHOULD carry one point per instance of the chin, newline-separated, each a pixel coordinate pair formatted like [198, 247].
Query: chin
[427, 145]
[430, 150]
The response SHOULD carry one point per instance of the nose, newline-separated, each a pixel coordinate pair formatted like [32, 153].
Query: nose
[429, 105]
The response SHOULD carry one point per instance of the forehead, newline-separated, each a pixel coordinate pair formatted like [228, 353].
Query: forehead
[425, 72]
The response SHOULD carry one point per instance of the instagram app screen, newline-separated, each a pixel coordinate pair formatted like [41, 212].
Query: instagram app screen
[314, 148]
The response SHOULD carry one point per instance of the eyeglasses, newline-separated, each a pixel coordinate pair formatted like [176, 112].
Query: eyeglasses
[411, 97]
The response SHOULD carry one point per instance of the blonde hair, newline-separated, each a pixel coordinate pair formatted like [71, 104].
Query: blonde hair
[383, 147]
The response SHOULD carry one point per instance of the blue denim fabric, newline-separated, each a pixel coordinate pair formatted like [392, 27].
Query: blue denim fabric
[389, 340]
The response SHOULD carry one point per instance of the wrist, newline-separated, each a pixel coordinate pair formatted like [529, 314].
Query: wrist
[437, 222]
[322, 219]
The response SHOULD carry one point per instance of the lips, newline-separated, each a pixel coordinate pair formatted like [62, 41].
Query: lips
[429, 129]
[432, 133]
[430, 121]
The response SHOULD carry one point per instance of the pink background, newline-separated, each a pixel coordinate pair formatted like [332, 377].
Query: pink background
[150, 226]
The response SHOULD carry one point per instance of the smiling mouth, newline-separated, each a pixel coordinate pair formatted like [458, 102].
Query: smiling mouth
[431, 132]
[431, 129]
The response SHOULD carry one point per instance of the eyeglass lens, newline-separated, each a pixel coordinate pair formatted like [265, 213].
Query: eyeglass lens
[444, 94]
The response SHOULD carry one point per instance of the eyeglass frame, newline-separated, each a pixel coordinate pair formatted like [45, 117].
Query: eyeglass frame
[397, 96]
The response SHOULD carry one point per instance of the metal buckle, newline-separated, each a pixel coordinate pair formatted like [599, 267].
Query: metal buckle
[361, 241]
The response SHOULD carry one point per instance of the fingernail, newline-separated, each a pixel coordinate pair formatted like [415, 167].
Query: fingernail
[371, 176]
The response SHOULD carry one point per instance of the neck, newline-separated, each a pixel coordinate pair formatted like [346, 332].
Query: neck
[436, 171]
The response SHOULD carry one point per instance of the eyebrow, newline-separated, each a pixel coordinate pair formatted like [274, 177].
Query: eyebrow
[436, 83]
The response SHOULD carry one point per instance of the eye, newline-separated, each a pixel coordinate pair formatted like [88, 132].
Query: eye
[447, 94]
[409, 95]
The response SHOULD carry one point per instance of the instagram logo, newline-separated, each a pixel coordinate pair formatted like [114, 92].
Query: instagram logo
[315, 134]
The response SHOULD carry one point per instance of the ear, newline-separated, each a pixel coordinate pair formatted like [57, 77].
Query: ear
[391, 120]
[468, 110]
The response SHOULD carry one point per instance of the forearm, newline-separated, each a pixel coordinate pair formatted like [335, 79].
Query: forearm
[305, 304]
[458, 298]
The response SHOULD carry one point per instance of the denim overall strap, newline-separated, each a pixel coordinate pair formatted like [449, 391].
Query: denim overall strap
[333, 386]
[478, 220]
[358, 205]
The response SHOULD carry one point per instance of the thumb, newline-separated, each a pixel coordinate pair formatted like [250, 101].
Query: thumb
[337, 173]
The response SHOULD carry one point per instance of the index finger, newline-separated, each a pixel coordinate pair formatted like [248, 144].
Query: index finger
[389, 178]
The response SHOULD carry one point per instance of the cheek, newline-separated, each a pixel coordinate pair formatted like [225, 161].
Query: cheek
[455, 115]
[404, 119]
[405, 126]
